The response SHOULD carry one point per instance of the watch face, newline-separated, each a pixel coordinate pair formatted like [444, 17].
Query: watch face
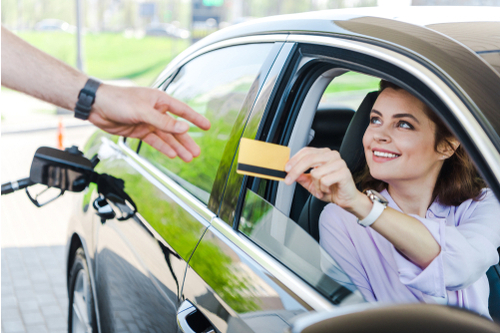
[375, 196]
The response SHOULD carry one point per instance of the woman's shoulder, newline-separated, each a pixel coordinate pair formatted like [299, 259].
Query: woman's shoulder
[485, 203]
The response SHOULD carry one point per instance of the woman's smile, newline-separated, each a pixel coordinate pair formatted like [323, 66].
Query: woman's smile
[382, 155]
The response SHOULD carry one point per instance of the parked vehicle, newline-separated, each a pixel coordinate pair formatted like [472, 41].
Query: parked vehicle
[166, 30]
[205, 249]
[54, 25]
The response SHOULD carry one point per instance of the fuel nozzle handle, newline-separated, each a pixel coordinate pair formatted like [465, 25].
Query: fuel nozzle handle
[13, 186]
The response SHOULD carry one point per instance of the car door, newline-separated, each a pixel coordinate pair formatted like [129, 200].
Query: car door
[141, 260]
[263, 244]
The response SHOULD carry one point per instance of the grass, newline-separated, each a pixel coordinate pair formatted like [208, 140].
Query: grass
[112, 55]
[352, 81]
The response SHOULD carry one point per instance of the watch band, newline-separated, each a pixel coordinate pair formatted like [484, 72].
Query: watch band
[377, 210]
[86, 98]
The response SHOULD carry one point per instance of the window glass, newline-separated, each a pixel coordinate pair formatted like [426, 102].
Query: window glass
[133, 143]
[348, 90]
[214, 84]
[295, 248]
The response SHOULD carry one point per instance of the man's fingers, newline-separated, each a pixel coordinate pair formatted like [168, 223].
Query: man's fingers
[181, 151]
[157, 143]
[164, 122]
[182, 110]
[188, 142]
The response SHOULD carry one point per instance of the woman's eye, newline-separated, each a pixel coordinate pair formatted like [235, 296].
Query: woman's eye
[404, 124]
[375, 120]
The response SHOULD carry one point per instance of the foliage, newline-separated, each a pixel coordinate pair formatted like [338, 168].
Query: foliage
[111, 55]
[352, 81]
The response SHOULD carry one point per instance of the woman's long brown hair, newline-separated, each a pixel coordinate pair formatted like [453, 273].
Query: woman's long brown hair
[458, 179]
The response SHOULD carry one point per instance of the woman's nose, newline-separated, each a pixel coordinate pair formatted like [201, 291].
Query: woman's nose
[381, 135]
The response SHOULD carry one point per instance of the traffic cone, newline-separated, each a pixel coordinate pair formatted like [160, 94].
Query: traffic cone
[60, 134]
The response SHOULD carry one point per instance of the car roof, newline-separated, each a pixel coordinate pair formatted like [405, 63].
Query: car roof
[477, 28]
[324, 21]
[464, 42]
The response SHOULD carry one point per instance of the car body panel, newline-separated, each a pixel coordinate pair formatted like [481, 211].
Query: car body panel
[235, 293]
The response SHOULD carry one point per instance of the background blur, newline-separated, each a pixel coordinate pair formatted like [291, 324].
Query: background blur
[135, 39]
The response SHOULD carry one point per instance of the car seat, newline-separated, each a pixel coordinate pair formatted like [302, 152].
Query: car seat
[329, 125]
[352, 152]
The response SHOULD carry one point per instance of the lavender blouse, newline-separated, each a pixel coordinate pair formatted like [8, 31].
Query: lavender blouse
[469, 236]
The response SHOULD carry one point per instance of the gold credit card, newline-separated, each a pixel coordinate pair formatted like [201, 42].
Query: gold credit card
[262, 159]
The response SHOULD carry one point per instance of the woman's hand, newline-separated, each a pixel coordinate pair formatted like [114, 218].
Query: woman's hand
[329, 180]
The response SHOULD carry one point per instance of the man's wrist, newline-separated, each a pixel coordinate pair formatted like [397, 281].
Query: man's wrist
[86, 99]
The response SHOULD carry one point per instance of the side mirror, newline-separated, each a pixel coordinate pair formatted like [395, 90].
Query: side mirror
[66, 170]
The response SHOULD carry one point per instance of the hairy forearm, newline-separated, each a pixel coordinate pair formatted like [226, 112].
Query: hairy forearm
[29, 70]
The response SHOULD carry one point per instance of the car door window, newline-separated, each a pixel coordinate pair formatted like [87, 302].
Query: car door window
[348, 90]
[295, 248]
[214, 84]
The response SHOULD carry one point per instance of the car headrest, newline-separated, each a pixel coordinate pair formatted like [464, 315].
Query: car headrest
[352, 152]
[330, 125]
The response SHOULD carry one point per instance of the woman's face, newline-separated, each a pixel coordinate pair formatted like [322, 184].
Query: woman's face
[399, 141]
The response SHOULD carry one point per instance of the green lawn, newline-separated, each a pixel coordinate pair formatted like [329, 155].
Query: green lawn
[110, 55]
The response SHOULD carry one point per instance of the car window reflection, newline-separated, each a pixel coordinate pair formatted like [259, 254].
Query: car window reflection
[289, 243]
[215, 85]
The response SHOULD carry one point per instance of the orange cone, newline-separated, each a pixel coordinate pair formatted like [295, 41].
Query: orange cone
[60, 134]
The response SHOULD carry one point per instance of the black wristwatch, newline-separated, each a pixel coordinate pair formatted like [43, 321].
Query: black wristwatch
[86, 98]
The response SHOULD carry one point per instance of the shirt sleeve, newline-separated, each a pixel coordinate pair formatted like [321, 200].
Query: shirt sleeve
[468, 248]
[334, 239]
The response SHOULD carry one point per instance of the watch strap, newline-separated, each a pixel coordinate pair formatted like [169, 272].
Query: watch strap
[376, 211]
[86, 98]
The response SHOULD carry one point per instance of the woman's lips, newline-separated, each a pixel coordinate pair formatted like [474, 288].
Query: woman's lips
[383, 155]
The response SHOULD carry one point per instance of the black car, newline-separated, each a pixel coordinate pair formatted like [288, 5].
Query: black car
[205, 249]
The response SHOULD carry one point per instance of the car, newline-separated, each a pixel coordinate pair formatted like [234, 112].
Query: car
[166, 30]
[198, 247]
[54, 25]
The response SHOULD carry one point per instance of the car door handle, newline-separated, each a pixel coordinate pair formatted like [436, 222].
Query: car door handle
[191, 320]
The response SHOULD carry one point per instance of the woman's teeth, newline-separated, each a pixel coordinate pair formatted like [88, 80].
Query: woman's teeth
[382, 154]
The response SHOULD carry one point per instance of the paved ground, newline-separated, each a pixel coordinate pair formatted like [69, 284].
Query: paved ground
[34, 297]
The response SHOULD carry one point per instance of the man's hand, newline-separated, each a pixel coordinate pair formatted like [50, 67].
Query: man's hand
[144, 113]
[134, 112]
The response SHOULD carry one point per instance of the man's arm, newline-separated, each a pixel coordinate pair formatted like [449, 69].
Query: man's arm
[134, 112]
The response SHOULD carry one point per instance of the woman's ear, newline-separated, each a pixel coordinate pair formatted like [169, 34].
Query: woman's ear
[448, 147]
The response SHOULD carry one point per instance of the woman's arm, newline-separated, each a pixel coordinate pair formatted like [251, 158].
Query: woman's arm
[330, 180]
[134, 112]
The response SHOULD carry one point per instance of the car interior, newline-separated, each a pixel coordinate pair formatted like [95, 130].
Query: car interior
[341, 128]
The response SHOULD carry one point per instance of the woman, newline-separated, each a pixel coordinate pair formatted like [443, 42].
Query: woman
[439, 233]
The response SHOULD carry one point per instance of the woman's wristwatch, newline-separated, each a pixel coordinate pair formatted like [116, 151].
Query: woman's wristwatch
[379, 204]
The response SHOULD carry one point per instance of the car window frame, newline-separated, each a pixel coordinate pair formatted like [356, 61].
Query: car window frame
[442, 99]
